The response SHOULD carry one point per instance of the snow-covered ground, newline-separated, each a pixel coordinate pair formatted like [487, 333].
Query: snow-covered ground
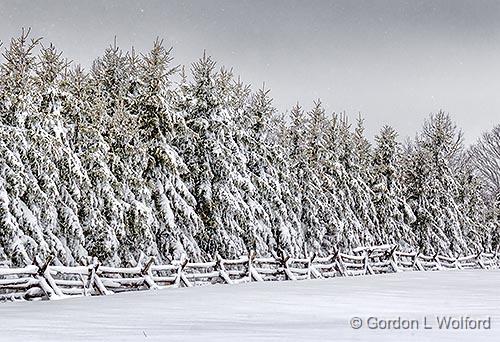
[314, 310]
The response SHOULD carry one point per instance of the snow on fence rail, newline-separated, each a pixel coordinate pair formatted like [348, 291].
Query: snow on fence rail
[44, 281]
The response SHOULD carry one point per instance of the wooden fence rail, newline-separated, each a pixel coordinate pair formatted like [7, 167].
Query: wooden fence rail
[44, 281]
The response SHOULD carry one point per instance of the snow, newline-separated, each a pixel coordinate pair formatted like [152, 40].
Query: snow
[313, 310]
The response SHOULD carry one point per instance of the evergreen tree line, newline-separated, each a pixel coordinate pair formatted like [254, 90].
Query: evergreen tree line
[136, 156]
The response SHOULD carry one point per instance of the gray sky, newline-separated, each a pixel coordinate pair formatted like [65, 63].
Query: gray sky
[395, 61]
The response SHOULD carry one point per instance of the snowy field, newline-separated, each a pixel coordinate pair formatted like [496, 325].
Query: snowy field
[313, 310]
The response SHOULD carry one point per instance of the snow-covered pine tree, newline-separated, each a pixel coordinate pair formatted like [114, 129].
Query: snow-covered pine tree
[176, 222]
[55, 166]
[30, 149]
[17, 99]
[41, 200]
[353, 214]
[484, 155]
[218, 175]
[362, 150]
[432, 187]
[82, 115]
[292, 140]
[269, 173]
[103, 139]
[296, 133]
[249, 122]
[315, 210]
[393, 213]
[478, 225]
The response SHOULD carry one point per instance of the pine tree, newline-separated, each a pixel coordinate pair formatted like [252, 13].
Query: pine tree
[172, 203]
[362, 153]
[393, 213]
[484, 155]
[353, 220]
[18, 86]
[269, 174]
[432, 187]
[217, 171]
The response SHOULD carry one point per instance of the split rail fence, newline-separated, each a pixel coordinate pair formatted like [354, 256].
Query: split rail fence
[41, 280]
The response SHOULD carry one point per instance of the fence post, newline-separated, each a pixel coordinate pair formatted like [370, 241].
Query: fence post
[309, 266]
[417, 263]
[436, 260]
[495, 256]
[222, 269]
[284, 261]
[479, 260]
[45, 272]
[94, 279]
[88, 284]
[312, 270]
[252, 272]
[338, 261]
[43, 284]
[146, 273]
[250, 265]
[368, 269]
[458, 266]
[181, 278]
[393, 259]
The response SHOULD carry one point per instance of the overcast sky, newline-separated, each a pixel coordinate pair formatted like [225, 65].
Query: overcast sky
[394, 61]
